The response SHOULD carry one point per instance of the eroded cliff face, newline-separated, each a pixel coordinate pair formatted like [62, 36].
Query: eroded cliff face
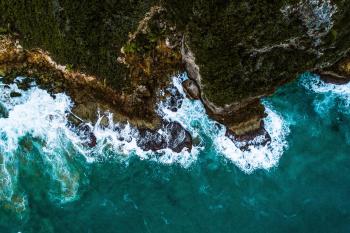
[240, 51]
[236, 52]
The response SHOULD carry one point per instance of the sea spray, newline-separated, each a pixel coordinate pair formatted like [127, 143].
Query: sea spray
[44, 118]
[331, 103]
[192, 116]
[311, 181]
[329, 95]
[38, 140]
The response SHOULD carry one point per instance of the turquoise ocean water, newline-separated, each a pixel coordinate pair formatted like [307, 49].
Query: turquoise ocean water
[300, 182]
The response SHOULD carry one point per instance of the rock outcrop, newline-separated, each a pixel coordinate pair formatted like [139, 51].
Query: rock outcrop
[251, 48]
[173, 136]
[191, 88]
[339, 73]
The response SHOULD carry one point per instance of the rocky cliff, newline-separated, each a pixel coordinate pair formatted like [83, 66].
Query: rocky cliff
[236, 52]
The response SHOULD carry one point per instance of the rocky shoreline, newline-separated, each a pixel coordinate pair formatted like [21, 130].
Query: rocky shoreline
[244, 121]
[90, 96]
[124, 65]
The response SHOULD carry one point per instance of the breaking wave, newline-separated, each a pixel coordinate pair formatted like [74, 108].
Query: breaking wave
[38, 140]
[192, 116]
[329, 95]
[37, 115]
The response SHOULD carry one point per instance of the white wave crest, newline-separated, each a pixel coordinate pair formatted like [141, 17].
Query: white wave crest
[43, 116]
[118, 139]
[329, 93]
[192, 116]
[38, 114]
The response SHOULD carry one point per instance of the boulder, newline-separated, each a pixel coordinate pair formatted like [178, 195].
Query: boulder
[191, 89]
[172, 136]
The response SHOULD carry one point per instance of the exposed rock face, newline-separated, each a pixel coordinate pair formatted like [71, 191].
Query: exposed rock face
[253, 138]
[236, 51]
[339, 73]
[191, 88]
[3, 112]
[241, 57]
[174, 137]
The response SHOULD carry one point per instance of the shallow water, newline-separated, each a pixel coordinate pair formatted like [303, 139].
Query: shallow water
[50, 182]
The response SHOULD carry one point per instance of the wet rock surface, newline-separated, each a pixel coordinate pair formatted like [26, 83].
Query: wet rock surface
[3, 111]
[172, 135]
[15, 94]
[252, 138]
[191, 88]
[339, 73]
[87, 135]
[331, 77]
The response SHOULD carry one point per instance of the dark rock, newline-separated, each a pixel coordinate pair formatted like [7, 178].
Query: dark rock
[92, 140]
[87, 135]
[174, 137]
[15, 94]
[178, 138]
[252, 138]
[3, 111]
[25, 84]
[191, 89]
[175, 101]
[331, 77]
[151, 140]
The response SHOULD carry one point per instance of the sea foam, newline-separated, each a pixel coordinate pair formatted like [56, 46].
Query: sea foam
[40, 115]
[328, 93]
[43, 117]
[192, 116]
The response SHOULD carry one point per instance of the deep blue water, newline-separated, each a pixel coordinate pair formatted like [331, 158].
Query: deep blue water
[49, 182]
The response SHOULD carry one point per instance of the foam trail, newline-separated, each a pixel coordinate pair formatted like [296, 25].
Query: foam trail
[192, 116]
[44, 118]
[39, 115]
[120, 141]
[328, 93]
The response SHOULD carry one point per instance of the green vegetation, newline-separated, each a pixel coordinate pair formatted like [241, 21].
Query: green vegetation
[130, 48]
[86, 34]
[69, 67]
[222, 34]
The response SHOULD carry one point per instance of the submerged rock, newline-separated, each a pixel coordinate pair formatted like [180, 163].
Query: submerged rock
[87, 135]
[14, 94]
